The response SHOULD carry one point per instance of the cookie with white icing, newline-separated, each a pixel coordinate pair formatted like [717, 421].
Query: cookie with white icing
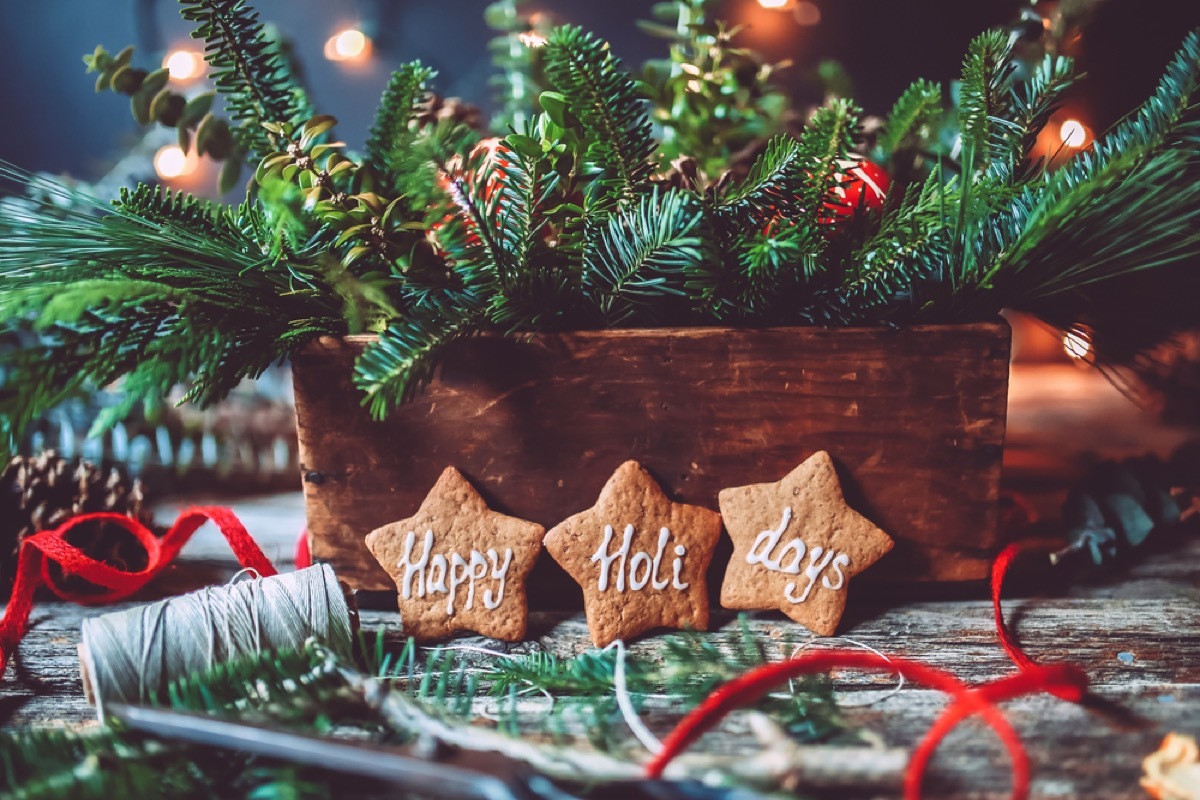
[640, 558]
[458, 565]
[796, 545]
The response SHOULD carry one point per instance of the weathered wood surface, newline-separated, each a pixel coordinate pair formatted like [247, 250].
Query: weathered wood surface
[914, 420]
[1150, 614]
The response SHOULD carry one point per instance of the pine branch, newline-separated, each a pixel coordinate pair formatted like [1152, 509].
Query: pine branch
[247, 69]
[771, 187]
[826, 144]
[182, 294]
[606, 101]
[1147, 160]
[1031, 103]
[983, 95]
[404, 356]
[639, 257]
[534, 281]
[392, 131]
[918, 107]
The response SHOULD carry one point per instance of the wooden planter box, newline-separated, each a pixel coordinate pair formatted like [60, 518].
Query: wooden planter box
[914, 420]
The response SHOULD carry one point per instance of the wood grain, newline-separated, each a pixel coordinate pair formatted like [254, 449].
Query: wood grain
[914, 419]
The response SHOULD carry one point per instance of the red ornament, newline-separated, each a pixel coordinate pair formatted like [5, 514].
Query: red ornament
[861, 189]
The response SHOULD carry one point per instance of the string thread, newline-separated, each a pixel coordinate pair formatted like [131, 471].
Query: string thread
[131, 655]
[41, 550]
[1065, 681]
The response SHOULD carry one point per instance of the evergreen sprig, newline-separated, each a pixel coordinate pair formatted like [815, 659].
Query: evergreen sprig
[248, 69]
[606, 101]
[987, 79]
[568, 221]
[392, 133]
[636, 258]
[771, 188]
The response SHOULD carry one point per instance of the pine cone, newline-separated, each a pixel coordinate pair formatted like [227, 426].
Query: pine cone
[437, 108]
[40, 493]
[1119, 506]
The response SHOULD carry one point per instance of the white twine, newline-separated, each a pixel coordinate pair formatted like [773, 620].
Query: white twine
[625, 703]
[129, 656]
[834, 640]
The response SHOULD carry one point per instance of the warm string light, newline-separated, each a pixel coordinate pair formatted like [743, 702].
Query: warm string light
[350, 44]
[1073, 133]
[171, 162]
[805, 11]
[1078, 343]
[184, 65]
[532, 39]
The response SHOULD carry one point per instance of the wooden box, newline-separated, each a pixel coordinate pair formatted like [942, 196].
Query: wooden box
[913, 418]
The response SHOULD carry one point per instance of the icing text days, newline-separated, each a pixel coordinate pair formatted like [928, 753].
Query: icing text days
[434, 573]
[641, 568]
[790, 560]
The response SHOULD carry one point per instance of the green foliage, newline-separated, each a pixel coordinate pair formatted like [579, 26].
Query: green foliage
[772, 187]
[916, 110]
[710, 100]
[518, 56]
[635, 258]
[248, 69]
[393, 366]
[606, 101]
[161, 290]
[986, 85]
[392, 132]
[568, 221]
[298, 688]
[151, 99]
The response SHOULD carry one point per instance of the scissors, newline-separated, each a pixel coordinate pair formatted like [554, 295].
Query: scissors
[488, 776]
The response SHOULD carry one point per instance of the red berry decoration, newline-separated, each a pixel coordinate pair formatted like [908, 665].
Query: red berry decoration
[861, 189]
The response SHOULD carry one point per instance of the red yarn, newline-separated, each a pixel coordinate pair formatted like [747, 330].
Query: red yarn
[303, 557]
[1065, 681]
[39, 550]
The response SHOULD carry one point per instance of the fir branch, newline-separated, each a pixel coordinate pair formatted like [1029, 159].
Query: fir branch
[535, 282]
[826, 144]
[918, 107]
[983, 95]
[770, 189]
[637, 258]
[1141, 173]
[248, 69]
[179, 295]
[1157, 123]
[404, 356]
[607, 102]
[392, 131]
[1032, 103]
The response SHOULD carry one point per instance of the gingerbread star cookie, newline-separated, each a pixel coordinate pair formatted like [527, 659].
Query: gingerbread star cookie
[458, 565]
[796, 545]
[640, 558]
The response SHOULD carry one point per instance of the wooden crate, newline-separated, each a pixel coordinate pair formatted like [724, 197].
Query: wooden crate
[914, 419]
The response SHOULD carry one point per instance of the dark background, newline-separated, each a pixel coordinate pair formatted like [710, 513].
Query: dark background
[55, 122]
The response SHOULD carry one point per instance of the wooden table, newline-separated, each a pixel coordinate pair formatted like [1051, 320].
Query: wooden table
[1136, 635]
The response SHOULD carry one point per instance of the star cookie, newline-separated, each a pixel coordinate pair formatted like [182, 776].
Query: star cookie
[458, 565]
[640, 558]
[796, 545]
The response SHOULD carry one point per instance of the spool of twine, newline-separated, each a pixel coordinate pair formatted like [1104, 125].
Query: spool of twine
[130, 656]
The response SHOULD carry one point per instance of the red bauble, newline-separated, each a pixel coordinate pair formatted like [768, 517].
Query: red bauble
[861, 188]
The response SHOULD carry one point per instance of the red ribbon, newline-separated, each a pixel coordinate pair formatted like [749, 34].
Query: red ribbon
[42, 549]
[1065, 681]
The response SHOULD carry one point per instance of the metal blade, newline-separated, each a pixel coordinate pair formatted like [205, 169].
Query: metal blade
[388, 765]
